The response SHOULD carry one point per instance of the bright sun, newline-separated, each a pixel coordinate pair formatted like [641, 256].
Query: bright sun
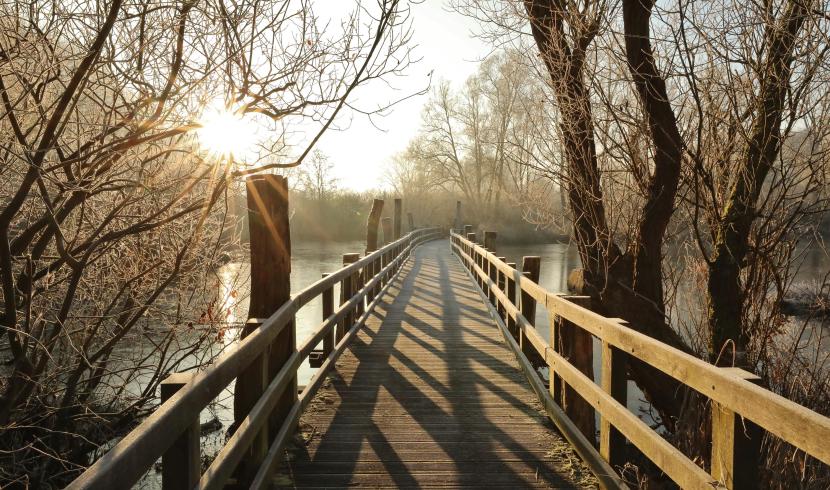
[226, 134]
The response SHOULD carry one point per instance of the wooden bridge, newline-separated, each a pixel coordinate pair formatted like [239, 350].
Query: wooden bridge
[428, 376]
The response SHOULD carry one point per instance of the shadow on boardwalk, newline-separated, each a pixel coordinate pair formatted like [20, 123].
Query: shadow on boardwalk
[428, 395]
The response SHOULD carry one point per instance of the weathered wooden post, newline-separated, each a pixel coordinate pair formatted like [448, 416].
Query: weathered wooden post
[270, 242]
[372, 244]
[615, 383]
[576, 345]
[181, 464]
[398, 218]
[372, 225]
[411, 221]
[456, 224]
[467, 230]
[347, 289]
[736, 442]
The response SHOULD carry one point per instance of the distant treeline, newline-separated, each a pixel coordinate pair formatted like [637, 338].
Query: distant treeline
[342, 216]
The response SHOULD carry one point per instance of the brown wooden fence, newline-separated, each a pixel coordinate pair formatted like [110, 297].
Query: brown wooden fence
[740, 408]
[172, 431]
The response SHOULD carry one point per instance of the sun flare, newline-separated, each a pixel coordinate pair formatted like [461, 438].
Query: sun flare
[227, 134]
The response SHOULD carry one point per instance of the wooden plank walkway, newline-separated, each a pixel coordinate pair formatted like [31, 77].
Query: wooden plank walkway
[428, 395]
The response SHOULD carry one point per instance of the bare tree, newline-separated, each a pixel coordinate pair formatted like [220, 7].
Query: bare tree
[111, 211]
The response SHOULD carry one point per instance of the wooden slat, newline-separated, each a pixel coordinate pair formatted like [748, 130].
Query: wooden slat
[417, 394]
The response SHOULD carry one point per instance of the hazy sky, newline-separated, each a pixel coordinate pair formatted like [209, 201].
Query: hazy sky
[446, 44]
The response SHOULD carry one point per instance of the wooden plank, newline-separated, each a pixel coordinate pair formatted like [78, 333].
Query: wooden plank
[444, 383]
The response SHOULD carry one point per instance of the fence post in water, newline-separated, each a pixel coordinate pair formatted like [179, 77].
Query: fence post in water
[398, 218]
[181, 464]
[270, 242]
[372, 225]
[615, 383]
[736, 443]
[347, 290]
[576, 345]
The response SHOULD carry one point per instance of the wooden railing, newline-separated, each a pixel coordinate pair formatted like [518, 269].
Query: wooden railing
[740, 408]
[172, 431]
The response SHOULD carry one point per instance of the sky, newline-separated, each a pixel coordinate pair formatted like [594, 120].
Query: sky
[448, 48]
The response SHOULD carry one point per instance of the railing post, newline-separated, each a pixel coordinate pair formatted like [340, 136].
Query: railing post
[181, 464]
[398, 218]
[736, 443]
[502, 286]
[328, 310]
[489, 267]
[510, 290]
[347, 285]
[576, 345]
[615, 383]
[270, 242]
[467, 230]
[471, 237]
[531, 266]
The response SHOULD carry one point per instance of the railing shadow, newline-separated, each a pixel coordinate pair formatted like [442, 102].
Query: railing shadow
[452, 414]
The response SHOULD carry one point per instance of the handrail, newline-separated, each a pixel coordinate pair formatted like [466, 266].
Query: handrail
[791, 422]
[124, 464]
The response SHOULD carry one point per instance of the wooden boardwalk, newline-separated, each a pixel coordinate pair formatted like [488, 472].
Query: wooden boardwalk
[428, 394]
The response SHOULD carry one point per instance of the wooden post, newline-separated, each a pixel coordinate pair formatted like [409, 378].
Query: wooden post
[531, 266]
[471, 237]
[490, 246]
[270, 241]
[615, 383]
[576, 345]
[398, 218]
[502, 286]
[457, 222]
[511, 296]
[467, 230]
[328, 310]
[347, 290]
[181, 464]
[387, 230]
[411, 221]
[372, 225]
[736, 443]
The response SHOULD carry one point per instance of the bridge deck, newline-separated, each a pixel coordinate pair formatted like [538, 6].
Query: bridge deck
[429, 395]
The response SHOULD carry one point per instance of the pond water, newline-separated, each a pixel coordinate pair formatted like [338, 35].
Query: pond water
[311, 259]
